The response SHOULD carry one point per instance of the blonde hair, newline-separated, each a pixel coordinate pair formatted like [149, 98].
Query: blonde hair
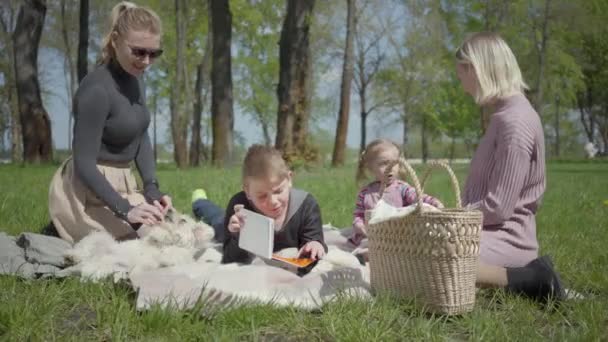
[128, 16]
[263, 162]
[495, 65]
[370, 152]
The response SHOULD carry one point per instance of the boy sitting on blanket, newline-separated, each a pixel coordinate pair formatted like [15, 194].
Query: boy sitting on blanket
[267, 190]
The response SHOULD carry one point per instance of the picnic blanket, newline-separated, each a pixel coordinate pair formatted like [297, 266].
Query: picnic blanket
[231, 285]
[181, 276]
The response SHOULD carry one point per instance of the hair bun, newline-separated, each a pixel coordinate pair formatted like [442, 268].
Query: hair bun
[125, 5]
[119, 9]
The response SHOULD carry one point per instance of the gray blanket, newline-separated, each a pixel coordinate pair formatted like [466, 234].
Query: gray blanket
[31, 255]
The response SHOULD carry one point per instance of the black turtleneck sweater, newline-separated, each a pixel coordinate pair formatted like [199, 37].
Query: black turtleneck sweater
[110, 124]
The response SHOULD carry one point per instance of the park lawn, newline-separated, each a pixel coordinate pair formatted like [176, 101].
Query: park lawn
[572, 227]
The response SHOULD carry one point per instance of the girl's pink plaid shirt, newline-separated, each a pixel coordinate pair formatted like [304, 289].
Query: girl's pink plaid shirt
[398, 194]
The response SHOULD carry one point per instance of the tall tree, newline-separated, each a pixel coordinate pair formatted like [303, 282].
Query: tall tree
[65, 21]
[83, 39]
[221, 79]
[293, 90]
[368, 61]
[541, 44]
[200, 94]
[345, 87]
[179, 114]
[415, 70]
[593, 100]
[37, 140]
[367, 66]
[7, 25]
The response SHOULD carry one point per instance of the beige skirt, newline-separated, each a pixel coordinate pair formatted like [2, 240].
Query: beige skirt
[76, 211]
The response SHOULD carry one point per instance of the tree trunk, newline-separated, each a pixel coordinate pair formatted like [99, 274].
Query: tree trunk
[202, 79]
[363, 143]
[195, 134]
[586, 115]
[265, 131]
[293, 90]
[7, 24]
[302, 110]
[179, 114]
[37, 139]
[452, 147]
[71, 68]
[222, 115]
[405, 134]
[556, 124]
[16, 132]
[604, 135]
[202, 82]
[542, 56]
[83, 40]
[347, 78]
[154, 114]
[602, 125]
[424, 139]
[15, 122]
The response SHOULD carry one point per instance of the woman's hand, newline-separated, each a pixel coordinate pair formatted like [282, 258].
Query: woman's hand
[145, 213]
[164, 204]
[313, 249]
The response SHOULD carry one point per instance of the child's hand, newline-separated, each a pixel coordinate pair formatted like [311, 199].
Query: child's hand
[313, 250]
[356, 239]
[359, 233]
[359, 229]
[237, 220]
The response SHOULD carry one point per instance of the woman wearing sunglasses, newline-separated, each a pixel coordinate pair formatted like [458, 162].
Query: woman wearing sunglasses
[94, 190]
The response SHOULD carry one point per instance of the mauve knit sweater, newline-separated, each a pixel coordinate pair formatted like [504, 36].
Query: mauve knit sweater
[506, 182]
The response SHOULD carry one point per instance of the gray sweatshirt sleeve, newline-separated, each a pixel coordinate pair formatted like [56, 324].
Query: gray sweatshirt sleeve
[144, 160]
[91, 109]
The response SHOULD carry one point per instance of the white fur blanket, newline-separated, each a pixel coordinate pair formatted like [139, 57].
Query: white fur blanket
[230, 285]
[176, 265]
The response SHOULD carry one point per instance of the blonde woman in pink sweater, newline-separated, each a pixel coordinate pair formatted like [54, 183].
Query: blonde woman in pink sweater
[506, 179]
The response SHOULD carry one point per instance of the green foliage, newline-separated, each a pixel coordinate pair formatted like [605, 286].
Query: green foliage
[457, 115]
[417, 84]
[196, 17]
[257, 30]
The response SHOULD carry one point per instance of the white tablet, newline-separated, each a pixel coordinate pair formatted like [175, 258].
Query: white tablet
[257, 234]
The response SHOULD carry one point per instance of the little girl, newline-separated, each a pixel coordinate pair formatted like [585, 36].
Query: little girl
[375, 159]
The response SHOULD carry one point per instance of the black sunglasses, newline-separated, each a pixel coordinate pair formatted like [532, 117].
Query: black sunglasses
[143, 52]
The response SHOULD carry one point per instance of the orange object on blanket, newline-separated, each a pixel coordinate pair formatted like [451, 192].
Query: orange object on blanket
[300, 266]
[299, 262]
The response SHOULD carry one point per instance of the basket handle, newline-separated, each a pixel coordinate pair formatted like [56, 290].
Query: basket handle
[436, 164]
[409, 171]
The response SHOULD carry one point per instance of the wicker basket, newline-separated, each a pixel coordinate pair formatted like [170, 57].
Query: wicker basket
[430, 256]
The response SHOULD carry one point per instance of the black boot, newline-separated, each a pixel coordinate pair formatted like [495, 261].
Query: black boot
[49, 230]
[537, 280]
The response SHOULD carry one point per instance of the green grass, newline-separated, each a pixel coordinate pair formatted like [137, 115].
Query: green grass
[572, 227]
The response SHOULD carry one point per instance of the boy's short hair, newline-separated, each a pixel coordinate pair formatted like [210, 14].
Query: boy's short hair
[495, 66]
[264, 162]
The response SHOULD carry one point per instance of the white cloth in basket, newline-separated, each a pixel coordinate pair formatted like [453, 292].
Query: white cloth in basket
[384, 211]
